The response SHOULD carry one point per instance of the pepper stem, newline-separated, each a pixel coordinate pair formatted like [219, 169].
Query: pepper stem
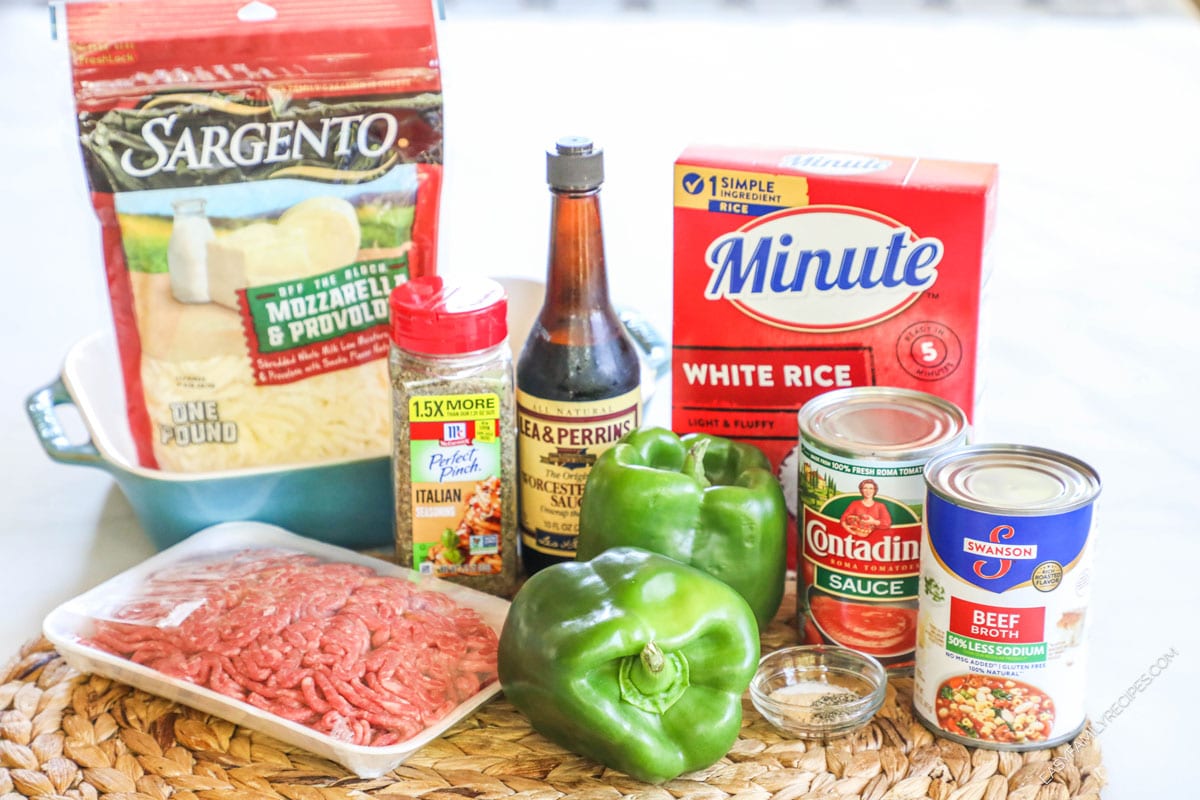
[654, 662]
[693, 462]
[653, 680]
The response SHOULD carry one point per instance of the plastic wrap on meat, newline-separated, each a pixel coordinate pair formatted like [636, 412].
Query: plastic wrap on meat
[364, 658]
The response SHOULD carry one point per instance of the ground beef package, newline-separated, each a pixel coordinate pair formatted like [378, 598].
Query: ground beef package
[363, 658]
[264, 174]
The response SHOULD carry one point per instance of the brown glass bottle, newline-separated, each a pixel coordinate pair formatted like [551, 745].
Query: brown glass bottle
[578, 375]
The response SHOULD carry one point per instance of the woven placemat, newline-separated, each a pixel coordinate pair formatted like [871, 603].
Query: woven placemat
[68, 735]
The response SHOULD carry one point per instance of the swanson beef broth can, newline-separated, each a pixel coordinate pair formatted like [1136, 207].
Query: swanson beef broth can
[861, 487]
[1005, 581]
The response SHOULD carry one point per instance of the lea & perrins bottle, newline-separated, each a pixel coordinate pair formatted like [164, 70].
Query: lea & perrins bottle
[578, 375]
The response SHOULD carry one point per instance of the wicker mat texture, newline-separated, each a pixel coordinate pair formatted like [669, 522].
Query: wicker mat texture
[68, 735]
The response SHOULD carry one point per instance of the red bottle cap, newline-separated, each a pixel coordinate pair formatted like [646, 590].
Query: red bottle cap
[433, 316]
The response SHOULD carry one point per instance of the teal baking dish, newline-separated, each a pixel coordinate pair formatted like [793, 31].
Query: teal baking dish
[347, 503]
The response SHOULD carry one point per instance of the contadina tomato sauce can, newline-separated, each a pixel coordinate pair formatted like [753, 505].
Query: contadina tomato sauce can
[1005, 579]
[862, 494]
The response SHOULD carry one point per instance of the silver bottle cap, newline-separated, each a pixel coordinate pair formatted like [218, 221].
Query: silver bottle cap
[575, 164]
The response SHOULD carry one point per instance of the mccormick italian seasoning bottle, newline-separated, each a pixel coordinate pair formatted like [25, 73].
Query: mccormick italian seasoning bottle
[578, 375]
[454, 447]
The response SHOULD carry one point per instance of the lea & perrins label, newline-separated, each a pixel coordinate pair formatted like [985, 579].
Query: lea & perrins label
[558, 442]
[1001, 657]
[801, 271]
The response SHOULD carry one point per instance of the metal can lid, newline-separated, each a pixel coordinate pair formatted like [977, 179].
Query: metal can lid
[1012, 479]
[575, 164]
[881, 422]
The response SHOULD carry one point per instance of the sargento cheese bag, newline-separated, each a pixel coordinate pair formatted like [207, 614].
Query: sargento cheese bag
[264, 174]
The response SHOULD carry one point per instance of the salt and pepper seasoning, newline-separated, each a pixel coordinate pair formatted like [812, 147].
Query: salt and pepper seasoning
[454, 446]
[578, 375]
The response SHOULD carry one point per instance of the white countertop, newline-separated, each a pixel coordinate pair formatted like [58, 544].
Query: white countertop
[1093, 344]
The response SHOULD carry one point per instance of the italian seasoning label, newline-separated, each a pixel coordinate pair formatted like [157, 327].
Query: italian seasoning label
[557, 444]
[456, 482]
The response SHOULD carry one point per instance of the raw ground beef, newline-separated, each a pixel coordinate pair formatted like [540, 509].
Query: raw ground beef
[364, 658]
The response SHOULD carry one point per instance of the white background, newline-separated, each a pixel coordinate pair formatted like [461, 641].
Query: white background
[1091, 346]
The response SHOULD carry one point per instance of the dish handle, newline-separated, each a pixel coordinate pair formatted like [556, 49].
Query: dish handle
[41, 407]
[654, 350]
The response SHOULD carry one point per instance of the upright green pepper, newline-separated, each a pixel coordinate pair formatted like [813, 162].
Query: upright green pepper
[706, 501]
[633, 659]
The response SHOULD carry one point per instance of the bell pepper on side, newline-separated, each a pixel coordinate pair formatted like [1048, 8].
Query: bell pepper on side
[632, 659]
[704, 500]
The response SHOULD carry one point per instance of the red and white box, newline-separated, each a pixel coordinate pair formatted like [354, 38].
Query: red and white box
[799, 271]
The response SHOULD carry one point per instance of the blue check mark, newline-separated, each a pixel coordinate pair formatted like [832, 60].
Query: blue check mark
[693, 183]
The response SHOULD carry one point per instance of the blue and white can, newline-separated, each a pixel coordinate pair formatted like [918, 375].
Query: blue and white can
[1004, 588]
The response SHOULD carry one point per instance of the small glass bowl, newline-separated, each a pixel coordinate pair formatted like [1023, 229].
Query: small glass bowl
[788, 690]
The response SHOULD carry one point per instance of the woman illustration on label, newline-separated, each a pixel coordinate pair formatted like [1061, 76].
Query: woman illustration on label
[865, 515]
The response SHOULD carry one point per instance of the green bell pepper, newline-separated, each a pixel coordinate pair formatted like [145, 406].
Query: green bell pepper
[632, 659]
[706, 501]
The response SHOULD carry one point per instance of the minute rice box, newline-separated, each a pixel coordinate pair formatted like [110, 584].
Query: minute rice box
[799, 271]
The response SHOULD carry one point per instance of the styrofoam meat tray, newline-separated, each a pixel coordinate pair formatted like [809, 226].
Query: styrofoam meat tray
[72, 621]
